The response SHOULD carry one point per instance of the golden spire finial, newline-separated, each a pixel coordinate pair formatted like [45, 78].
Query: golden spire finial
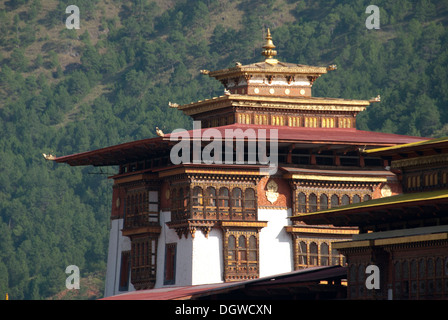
[268, 48]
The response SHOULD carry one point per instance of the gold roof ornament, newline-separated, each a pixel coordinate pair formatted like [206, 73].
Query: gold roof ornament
[268, 49]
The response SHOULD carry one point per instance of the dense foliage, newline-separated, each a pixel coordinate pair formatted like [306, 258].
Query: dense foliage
[66, 91]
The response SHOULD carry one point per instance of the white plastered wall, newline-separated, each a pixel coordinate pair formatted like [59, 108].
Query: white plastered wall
[117, 244]
[184, 248]
[275, 244]
[198, 260]
[207, 257]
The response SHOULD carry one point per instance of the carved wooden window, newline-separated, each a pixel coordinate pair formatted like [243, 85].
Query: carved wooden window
[179, 210]
[231, 247]
[242, 251]
[174, 200]
[334, 201]
[236, 203]
[352, 281]
[197, 201]
[253, 252]
[197, 196]
[310, 253]
[141, 208]
[324, 254]
[236, 197]
[397, 280]
[180, 199]
[170, 264]
[345, 200]
[335, 257]
[405, 282]
[356, 281]
[125, 269]
[224, 202]
[301, 202]
[345, 123]
[439, 276]
[210, 197]
[323, 202]
[327, 122]
[294, 121]
[249, 203]
[244, 118]
[431, 179]
[143, 255]
[413, 271]
[260, 119]
[422, 289]
[312, 202]
[311, 122]
[223, 197]
[303, 253]
[187, 198]
[153, 206]
[419, 279]
[314, 254]
[242, 255]
[210, 203]
[277, 120]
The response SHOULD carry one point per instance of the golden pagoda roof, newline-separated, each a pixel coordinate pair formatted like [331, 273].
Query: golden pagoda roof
[269, 65]
[302, 103]
[271, 68]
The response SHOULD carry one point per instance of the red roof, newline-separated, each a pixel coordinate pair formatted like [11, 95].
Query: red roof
[141, 149]
[174, 293]
[294, 278]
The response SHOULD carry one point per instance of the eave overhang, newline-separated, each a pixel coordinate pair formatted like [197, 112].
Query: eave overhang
[403, 207]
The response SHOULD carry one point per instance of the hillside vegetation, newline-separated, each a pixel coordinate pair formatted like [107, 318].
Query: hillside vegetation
[66, 91]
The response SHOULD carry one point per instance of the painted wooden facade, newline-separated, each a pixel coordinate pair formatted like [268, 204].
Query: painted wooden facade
[405, 235]
[194, 223]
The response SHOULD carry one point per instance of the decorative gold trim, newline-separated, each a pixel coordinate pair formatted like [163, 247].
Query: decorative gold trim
[268, 49]
[327, 231]
[273, 208]
[351, 244]
[245, 224]
[390, 241]
[141, 230]
[299, 103]
[334, 178]
[212, 171]
[417, 238]
[420, 161]
[277, 68]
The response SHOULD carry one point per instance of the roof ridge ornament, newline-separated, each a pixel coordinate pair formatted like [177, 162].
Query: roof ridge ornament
[268, 49]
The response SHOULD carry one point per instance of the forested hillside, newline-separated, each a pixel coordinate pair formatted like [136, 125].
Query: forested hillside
[65, 91]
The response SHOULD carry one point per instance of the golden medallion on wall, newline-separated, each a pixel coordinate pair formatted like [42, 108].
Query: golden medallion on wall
[271, 193]
[386, 191]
